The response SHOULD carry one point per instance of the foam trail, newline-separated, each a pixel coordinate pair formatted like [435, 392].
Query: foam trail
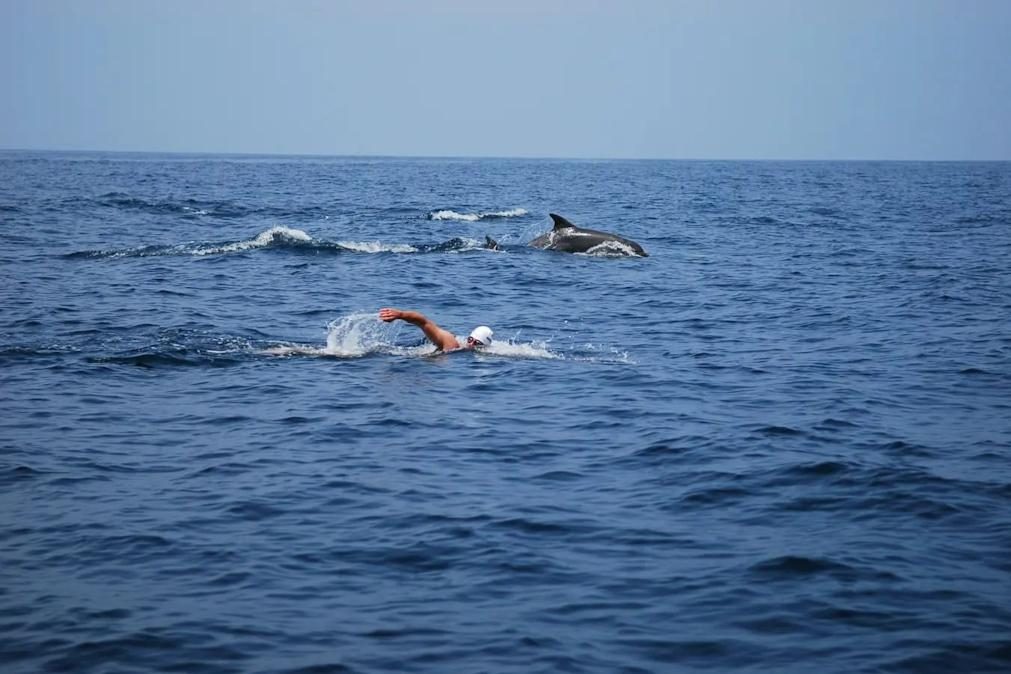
[511, 349]
[377, 247]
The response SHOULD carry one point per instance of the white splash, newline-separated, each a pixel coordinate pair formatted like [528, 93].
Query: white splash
[351, 336]
[355, 335]
[453, 215]
[611, 249]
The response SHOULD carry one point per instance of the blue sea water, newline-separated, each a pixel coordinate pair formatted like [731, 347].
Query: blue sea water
[780, 443]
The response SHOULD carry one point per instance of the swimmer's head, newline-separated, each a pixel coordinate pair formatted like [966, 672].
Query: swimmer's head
[480, 336]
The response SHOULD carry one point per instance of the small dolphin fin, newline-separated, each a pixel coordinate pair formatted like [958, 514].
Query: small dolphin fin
[490, 243]
[560, 222]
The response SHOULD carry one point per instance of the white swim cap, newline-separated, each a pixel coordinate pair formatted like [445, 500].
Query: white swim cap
[482, 334]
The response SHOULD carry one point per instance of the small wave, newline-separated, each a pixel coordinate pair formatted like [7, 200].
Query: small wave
[774, 431]
[139, 251]
[180, 348]
[10, 476]
[792, 566]
[593, 353]
[474, 217]
[185, 207]
[193, 208]
[973, 371]
[559, 476]
[169, 358]
[151, 359]
[815, 471]
[718, 496]
[35, 351]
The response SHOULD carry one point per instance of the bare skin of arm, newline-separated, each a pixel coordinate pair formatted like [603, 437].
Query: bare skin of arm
[443, 339]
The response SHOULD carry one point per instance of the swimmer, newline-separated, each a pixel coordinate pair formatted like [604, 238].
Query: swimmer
[444, 340]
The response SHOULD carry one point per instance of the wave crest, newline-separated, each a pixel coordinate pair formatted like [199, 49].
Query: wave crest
[278, 235]
[284, 238]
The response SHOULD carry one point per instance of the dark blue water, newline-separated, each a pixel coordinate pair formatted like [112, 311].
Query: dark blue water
[778, 444]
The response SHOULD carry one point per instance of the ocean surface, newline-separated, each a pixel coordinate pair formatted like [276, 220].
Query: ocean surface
[780, 443]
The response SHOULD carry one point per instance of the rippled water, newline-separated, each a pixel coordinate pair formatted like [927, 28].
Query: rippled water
[780, 443]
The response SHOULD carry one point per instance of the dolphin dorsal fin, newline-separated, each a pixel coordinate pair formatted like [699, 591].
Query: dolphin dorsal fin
[560, 222]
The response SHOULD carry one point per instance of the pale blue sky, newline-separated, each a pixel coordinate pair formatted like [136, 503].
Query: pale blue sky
[733, 79]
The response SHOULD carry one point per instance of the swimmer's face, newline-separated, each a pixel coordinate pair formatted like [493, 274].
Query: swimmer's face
[474, 343]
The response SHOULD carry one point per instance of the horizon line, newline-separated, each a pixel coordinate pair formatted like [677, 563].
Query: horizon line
[322, 155]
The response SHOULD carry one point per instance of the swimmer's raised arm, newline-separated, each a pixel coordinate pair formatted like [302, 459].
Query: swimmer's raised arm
[443, 339]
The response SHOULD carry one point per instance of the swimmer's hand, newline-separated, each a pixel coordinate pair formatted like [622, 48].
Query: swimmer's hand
[388, 315]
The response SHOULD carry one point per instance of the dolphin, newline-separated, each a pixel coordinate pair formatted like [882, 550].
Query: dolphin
[568, 238]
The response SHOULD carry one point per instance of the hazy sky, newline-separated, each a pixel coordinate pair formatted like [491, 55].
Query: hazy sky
[821, 79]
